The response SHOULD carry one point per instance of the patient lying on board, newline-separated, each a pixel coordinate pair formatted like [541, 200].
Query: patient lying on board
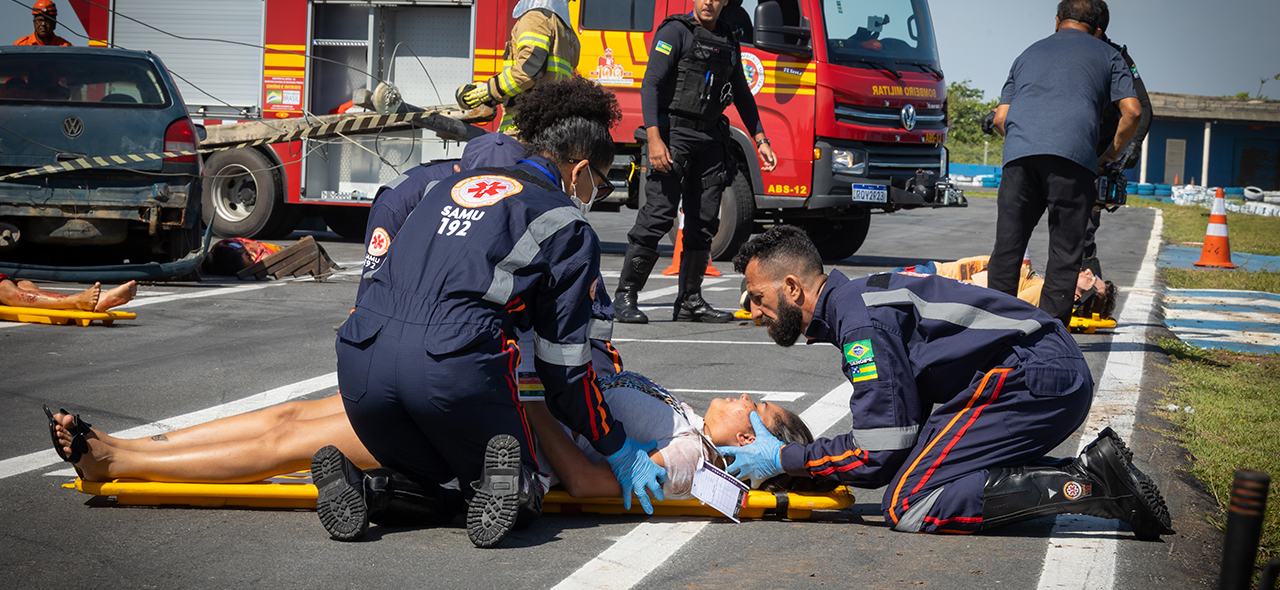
[19, 293]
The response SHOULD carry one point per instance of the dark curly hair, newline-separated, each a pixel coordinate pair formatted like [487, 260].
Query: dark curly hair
[785, 244]
[568, 121]
[1103, 305]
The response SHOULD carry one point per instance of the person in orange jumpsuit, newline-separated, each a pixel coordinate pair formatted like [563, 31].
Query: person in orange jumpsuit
[45, 17]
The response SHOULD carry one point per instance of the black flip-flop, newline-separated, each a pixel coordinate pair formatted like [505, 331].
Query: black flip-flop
[79, 428]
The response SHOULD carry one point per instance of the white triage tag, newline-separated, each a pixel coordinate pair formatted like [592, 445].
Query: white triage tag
[719, 490]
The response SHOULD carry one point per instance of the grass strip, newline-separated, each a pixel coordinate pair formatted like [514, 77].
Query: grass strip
[1249, 234]
[1234, 401]
[1239, 280]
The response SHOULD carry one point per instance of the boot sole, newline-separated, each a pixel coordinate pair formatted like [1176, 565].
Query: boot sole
[493, 510]
[1150, 523]
[339, 504]
[684, 316]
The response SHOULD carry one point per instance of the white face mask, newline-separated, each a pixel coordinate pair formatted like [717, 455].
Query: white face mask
[573, 196]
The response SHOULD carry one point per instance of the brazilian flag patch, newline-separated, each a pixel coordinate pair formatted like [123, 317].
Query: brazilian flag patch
[862, 361]
[663, 47]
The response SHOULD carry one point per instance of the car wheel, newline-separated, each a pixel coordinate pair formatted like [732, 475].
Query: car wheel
[348, 222]
[243, 195]
[837, 239]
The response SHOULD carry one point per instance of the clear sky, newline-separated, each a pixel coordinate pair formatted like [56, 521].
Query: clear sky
[1183, 46]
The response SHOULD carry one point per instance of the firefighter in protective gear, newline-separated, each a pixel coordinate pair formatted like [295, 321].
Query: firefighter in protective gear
[427, 361]
[694, 74]
[542, 48]
[1008, 382]
[44, 16]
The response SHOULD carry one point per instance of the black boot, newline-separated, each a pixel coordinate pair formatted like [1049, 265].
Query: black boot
[340, 501]
[507, 494]
[1101, 482]
[394, 500]
[690, 306]
[635, 272]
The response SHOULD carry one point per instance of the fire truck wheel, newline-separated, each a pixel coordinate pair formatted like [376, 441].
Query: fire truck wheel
[348, 222]
[243, 195]
[837, 239]
[737, 219]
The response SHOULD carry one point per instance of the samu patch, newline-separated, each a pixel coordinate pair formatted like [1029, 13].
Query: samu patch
[861, 359]
[663, 47]
[484, 190]
[379, 242]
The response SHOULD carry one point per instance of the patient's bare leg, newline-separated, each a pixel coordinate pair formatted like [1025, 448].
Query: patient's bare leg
[239, 427]
[284, 449]
[11, 293]
[117, 296]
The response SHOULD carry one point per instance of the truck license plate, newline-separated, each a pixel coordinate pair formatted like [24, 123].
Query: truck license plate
[870, 193]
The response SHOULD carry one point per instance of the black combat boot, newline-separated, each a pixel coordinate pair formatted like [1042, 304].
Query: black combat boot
[507, 495]
[340, 502]
[394, 500]
[1101, 482]
[690, 306]
[635, 272]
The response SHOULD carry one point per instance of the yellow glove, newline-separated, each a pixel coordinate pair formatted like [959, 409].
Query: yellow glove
[471, 96]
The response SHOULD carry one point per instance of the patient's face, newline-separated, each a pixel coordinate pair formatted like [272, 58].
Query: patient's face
[728, 420]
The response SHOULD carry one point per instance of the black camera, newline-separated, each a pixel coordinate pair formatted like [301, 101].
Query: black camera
[1113, 189]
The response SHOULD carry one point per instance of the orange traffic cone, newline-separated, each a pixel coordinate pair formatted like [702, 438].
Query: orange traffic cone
[1216, 252]
[674, 269]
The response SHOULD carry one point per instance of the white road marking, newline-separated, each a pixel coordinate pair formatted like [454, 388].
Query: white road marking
[47, 457]
[769, 396]
[672, 290]
[676, 341]
[830, 410]
[1082, 549]
[637, 553]
[197, 295]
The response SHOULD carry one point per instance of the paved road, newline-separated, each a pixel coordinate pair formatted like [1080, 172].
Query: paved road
[197, 346]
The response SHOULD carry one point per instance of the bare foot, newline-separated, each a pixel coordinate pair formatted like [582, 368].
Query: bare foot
[94, 465]
[64, 435]
[87, 299]
[117, 296]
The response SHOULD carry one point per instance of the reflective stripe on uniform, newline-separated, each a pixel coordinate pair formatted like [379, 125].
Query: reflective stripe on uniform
[534, 39]
[559, 67]
[600, 329]
[893, 438]
[526, 248]
[397, 181]
[564, 355]
[960, 314]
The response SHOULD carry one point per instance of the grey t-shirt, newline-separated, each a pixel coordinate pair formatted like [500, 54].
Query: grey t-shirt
[1056, 92]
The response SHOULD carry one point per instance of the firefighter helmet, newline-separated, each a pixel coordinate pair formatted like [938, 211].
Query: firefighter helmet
[45, 8]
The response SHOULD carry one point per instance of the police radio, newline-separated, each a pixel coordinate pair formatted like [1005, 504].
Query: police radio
[1112, 188]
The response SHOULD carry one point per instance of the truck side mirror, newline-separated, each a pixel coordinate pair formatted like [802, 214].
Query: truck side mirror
[774, 35]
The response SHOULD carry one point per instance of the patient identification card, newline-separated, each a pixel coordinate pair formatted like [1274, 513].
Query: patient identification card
[719, 490]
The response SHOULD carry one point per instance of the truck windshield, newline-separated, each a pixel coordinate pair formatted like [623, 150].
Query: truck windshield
[76, 78]
[897, 34]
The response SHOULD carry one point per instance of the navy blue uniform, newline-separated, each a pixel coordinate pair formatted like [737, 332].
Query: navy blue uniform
[426, 362]
[1011, 383]
[397, 199]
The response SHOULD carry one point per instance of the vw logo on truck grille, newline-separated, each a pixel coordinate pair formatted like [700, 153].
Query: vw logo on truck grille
[909, 117]
[72, 127]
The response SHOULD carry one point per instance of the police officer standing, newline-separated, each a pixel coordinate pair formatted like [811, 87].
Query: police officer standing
[542, 48]
[958, 392]
[694, 74]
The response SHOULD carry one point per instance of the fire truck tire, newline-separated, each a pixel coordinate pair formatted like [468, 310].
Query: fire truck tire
[737, 218]
[837, 239]
[243, 195]
[348, 222]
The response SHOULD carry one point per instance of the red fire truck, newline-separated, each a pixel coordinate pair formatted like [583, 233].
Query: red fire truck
[851, 94]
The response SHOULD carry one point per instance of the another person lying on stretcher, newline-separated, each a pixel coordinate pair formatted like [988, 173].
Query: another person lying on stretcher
[282, 439]
[1093, 293]
[19, 293]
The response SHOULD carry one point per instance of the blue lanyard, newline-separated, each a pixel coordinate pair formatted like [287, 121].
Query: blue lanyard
[554, 180]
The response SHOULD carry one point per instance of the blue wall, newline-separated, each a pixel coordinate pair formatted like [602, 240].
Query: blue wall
[1221, 150]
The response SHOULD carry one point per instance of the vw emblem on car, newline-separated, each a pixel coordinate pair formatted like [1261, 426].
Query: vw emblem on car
[72, 127]
[909, 117]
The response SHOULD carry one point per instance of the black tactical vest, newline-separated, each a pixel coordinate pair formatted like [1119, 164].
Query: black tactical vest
[703, 88]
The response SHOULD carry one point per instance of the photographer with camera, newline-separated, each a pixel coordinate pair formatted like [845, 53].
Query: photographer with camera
[1049, 113]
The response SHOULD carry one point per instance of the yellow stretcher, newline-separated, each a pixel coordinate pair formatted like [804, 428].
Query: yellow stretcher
[1089, 325]
[62, 317]
[296, 491]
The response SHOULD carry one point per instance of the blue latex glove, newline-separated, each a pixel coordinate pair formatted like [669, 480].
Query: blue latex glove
[757, 461]
[636, 472]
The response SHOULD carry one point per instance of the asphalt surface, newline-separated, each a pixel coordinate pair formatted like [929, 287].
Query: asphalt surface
[184, 354]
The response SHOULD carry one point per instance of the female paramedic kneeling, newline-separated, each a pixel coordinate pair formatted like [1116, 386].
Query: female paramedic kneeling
[426, 362]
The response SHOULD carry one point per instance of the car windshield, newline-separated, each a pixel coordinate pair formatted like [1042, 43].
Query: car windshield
[897, 34]
[78, 79]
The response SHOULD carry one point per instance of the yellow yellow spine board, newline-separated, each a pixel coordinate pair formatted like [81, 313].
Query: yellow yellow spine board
[1089, 325]
[61, 317]
[296, 491]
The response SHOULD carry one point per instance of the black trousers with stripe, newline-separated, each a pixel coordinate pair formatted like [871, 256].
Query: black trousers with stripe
[1010, 415]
